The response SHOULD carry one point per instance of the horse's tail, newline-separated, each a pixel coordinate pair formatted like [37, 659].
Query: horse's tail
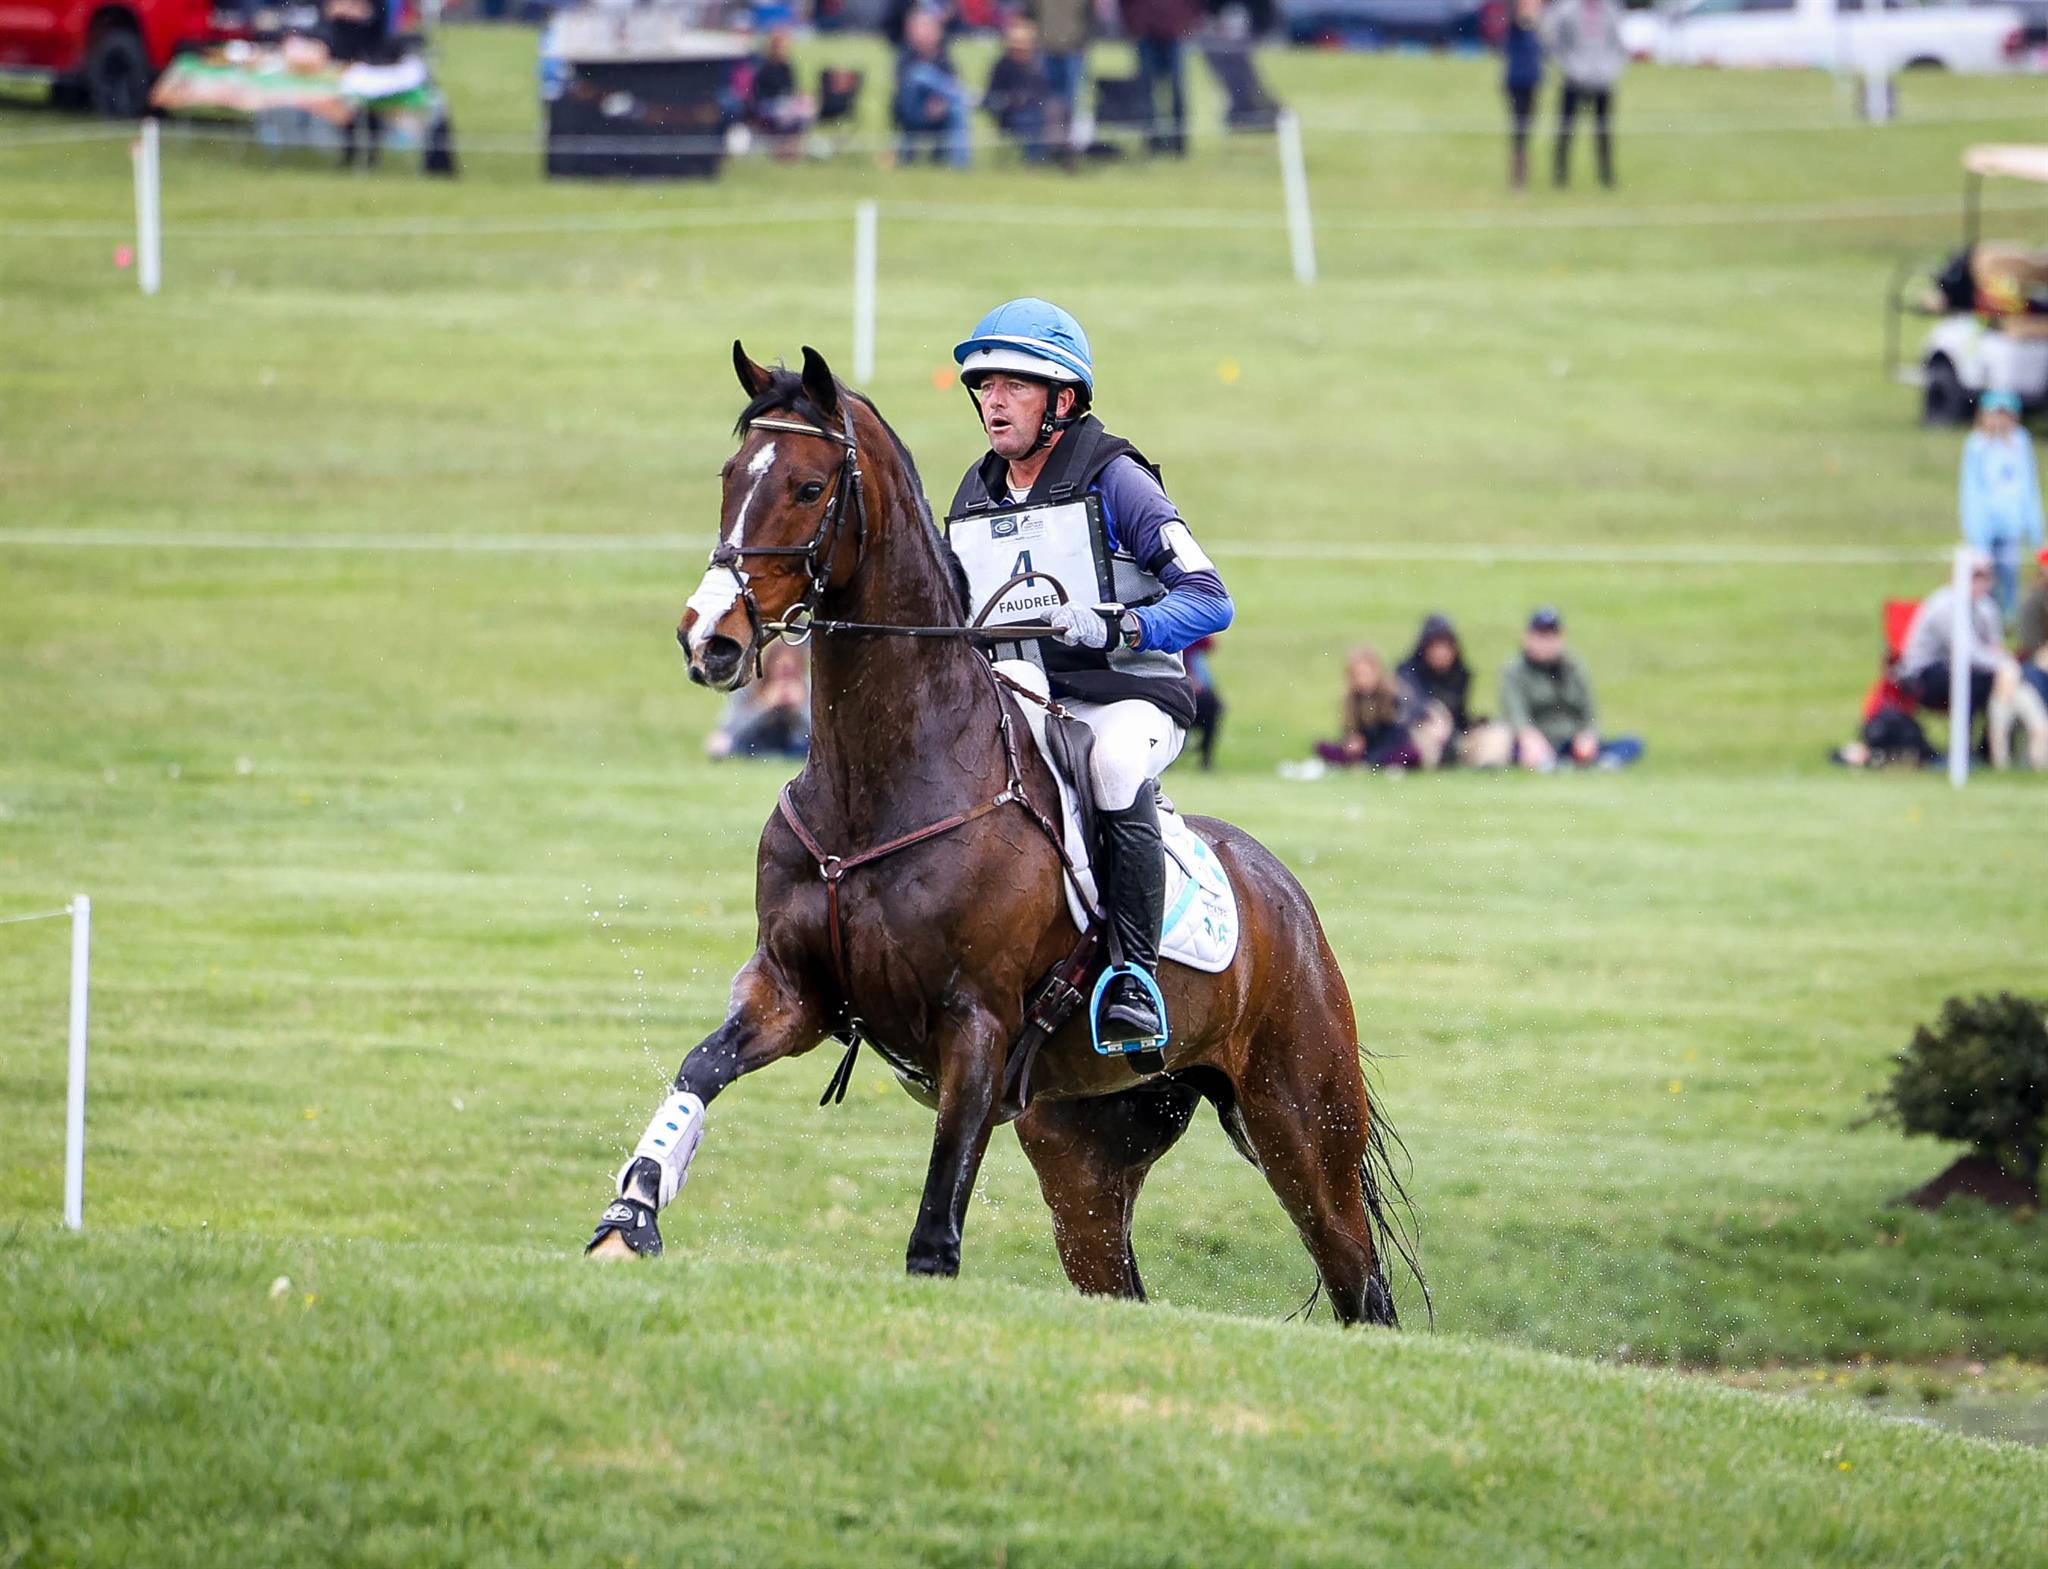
[1396, 1227]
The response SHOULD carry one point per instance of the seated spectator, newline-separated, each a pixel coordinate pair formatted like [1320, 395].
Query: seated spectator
[1437, 681]
[770, 717]
[1546, 700]
[1373, 733]
[931, 105]
[775, 106]
[1995, 688]
[1019, 92]
[2033, 630]
[1208, 701]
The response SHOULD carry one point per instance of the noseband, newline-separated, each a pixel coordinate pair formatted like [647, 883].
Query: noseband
[818, 554]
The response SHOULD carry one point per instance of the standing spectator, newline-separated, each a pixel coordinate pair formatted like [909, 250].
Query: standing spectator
[1584, 38]
[1546, 699]
[1522, 79]
[1995, 688]
[931, 104]
[2000, 500]
[1159, 28]
[1064, 27]
[1373, 733]
[1019, 93]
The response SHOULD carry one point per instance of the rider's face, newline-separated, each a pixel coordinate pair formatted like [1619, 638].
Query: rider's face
[1012, 409]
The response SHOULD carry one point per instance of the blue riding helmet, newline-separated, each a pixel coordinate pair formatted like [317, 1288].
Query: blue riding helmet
[1028, 337]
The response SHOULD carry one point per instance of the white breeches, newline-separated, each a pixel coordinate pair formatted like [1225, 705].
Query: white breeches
[1134, 741]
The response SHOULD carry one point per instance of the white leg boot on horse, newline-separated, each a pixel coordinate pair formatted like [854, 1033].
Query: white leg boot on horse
[765, 1025]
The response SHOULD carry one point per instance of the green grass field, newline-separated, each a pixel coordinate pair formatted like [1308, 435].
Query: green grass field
[412, 888]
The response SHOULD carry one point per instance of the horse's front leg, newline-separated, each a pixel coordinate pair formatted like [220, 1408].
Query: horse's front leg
[768, 1020]
[970, 1075]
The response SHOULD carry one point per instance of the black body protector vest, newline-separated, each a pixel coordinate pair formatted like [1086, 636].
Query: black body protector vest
[1058, 531]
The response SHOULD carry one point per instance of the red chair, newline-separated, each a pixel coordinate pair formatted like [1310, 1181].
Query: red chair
[1885, 692]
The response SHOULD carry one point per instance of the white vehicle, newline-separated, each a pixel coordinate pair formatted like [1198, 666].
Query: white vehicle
[1990, 301]
[1861, 37]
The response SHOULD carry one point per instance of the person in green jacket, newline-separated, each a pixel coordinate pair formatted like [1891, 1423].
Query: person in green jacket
[1546, 698]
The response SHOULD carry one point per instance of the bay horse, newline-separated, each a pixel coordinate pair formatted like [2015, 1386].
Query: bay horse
[956, 909]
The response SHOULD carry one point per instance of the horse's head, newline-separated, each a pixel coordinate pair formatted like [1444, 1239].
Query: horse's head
[790, 525]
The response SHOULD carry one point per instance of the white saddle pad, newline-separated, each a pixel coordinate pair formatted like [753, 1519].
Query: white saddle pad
[1200, 928]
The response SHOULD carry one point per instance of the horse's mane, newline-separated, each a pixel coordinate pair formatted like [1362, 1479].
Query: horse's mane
[785, 394]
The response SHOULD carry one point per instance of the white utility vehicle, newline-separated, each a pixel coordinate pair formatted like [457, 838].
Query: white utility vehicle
[1858, 37]
[1989, 301]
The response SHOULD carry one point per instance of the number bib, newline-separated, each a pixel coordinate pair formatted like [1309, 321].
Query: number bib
[1062, 544]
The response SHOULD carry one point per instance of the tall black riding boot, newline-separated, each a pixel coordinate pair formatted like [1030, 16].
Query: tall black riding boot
[1137, 901]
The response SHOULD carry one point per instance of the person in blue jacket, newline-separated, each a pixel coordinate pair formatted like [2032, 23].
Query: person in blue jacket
[1056, 494]
[2000, 498]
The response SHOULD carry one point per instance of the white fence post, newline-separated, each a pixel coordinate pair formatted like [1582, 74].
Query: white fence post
[1962, 637]
[149, 257]
[74, 1107]
[1301, 234]
[865, 219]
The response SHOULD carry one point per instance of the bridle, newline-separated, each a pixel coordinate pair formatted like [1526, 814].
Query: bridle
[823, 547]
[801, 619]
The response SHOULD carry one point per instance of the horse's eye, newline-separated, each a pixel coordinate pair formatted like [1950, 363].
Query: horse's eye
[809, 491]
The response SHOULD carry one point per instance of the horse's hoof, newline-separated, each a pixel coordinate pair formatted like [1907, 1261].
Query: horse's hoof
[626, 1229]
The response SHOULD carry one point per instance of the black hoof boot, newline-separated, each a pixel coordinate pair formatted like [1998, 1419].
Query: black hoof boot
[1128, 1014]
[634, 1224]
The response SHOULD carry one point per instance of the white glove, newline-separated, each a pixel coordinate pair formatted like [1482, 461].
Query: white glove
[1082, 627]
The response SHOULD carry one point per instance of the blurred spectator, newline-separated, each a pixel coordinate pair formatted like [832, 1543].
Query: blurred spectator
[1546, 699]
[1208, 701]
[1995, 688]
[931, 104]
[770, 717]
[1584, 38]
[1019, 94]
[1160, 28]
[356, 29]
[1064, 28]
[775, 105]
[1373, 733]
[1438, 684]
[2033, 630]
[1522, 79]
[2000, 499]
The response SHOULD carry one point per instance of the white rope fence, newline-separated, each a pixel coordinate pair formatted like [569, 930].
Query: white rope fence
[80, 911]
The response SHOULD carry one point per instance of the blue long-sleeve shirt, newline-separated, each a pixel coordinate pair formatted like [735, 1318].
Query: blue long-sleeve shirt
[2000, 498]
[1141, 520]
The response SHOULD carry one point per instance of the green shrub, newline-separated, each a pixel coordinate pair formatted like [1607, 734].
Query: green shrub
[1979, 1075]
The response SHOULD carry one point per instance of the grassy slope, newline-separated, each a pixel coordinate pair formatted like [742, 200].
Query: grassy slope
[384, 1409]
[472, 859]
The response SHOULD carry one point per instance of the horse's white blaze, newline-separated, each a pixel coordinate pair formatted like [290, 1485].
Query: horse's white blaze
[715, 596]
[671, 1143]
[757, 470]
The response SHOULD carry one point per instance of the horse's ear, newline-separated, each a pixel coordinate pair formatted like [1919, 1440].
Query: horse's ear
[819, 385]
[753, 378]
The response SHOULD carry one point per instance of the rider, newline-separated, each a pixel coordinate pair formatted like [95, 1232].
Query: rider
[1117, 665]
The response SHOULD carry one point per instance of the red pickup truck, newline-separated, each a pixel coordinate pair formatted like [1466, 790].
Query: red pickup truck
[107, 52]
